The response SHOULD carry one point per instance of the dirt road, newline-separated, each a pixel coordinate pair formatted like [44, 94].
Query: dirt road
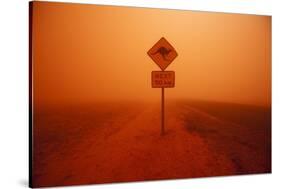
[118, 143]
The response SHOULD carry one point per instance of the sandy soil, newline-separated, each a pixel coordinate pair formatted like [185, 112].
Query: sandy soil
[121, 142]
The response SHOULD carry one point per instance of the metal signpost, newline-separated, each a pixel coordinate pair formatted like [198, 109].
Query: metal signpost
[162, 53]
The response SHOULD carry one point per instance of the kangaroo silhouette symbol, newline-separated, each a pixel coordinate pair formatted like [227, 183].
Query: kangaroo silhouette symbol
[164, 52]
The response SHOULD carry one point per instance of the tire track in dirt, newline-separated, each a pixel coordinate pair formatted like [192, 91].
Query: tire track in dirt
[138, 152]
[128, 147]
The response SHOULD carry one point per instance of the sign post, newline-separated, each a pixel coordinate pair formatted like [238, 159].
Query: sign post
[163, 111]
[162, 53]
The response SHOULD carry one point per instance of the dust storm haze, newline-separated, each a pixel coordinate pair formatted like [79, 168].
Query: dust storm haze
[85, 53]
[93, 106]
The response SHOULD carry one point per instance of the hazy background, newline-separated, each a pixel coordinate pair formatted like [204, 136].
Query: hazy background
[85, 53]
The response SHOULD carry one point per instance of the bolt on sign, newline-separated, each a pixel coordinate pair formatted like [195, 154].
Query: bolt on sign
[163, 54]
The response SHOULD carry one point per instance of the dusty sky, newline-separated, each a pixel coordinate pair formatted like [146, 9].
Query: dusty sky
[84, 53]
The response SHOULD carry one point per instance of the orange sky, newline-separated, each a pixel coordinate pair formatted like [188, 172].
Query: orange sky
[84, 53]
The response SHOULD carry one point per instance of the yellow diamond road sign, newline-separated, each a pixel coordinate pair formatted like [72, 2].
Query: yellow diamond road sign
[162, 53]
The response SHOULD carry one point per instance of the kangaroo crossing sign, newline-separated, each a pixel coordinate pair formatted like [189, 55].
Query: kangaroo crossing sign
[163, 54]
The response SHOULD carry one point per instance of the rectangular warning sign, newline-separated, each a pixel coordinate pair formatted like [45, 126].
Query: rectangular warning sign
[163, 79]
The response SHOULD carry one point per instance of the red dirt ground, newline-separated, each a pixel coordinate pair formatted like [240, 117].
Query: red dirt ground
[118, 142]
